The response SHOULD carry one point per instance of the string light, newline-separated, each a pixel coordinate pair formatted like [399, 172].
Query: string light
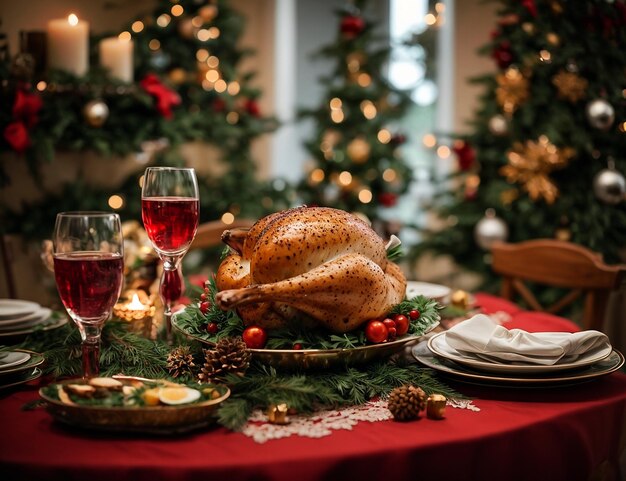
[202, 55]
[125, 36]
[206, 85]
[203, 35]
[384, 136]
[177, 10]
[365, 196]
[429, 140]
[41, 85]
[337, 116]
[137, 26]
[154, 44]
[430, 19]
[345, 178]
[232, 118]
[116, 202]
[443, 151]
[197, 22]
[228, 218]
[364, 80]
[220, 86]
[335, 103]
[214, 32]
[234, 88]
[545, 56]
[389, 175]
[317, 175]
[368, 109]
[212, 75]
[213, 61]
[163, 20]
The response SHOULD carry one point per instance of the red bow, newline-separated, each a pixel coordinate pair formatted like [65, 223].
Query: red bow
[26, 107]
[166, 98]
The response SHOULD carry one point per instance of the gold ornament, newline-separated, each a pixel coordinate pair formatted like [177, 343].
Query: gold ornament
[358, 150]
[512, 90]
[531, 163]
[436, 406]
[570, 86]
[277, 413]
[460, 299]
[96, 113]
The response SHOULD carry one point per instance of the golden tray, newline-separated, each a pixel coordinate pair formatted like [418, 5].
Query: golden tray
[146, 419]
[309, 359]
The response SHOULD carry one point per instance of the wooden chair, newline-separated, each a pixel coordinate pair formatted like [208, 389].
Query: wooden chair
[209, 234]
[556, 263]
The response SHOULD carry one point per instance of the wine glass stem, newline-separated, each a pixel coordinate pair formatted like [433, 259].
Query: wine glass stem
[91, 358]
[170, 291]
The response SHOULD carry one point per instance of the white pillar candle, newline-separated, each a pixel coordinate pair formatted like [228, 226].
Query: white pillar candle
[68, 45]
[116, 54]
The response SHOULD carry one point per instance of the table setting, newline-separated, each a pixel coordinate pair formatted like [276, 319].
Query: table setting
[307, 332]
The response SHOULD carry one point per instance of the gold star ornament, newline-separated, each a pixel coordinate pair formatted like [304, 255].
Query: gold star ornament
[512, 90]
[570, 86]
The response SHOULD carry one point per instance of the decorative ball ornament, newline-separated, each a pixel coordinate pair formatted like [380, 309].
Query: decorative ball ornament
[490, 229]
[351, 26]
[460, 299]
[358, 150]
[96, 113]
[609, 186]
[600, 114]
[498, 125]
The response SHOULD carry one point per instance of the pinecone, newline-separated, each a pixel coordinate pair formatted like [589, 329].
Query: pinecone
[406, 402]
[230, 355]
[180, 361]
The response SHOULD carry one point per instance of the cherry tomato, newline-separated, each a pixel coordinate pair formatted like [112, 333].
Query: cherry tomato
[254, 337]
[204, 306]
[212, 328]
[389, 323]
[402, 324]
[414, 314]
[376, 332]
[392, 333]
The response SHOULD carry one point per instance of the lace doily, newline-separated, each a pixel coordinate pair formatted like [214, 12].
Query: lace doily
[323, 423]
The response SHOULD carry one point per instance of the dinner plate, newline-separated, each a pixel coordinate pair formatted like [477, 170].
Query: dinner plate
[47, 325]
[34, 361]
[28, 320]
[320, 358]
[13, 358]
[426, 289]
[10, 308]
[559, 378]
[438, 345]
[17, 380]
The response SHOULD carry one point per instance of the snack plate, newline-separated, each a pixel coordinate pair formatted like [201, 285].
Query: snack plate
[321, 358]
[165, 420]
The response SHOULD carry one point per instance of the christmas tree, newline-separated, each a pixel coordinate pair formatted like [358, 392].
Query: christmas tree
[356, 164]
[188, 86]
[546, 155]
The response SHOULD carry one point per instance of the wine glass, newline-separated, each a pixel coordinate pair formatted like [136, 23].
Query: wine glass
[170, 208]
[88, 268]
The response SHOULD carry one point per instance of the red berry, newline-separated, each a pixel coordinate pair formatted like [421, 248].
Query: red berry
[376, 332]
[392, 333]
[297, 346]
[212, 328]
[203, 296]
[402, 324]
[254, 337]
[389, 323]
[204, 306]
[414, 314]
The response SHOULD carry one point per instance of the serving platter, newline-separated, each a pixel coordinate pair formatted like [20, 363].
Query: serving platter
[162, 420]
[306, 359]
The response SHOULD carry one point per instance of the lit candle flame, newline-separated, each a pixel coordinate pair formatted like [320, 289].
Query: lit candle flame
[135, 304]
[72, 19]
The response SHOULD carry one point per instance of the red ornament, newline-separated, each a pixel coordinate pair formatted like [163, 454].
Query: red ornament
[26, 107]
[252, 107]
[398, 139]
[297, 346]
[502, 55]
[16, 135]
[219, 105]
[212, 328]
[255, 337]
[465, 154]
[387, 199]
[530, 6]
[351, 26]
[166, 98]
[376, 332]
[402, 324]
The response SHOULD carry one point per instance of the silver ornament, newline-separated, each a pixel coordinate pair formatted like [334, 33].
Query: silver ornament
[600, 114]
[96, 113]
[609, 186]
[490, 229]
[498, 125]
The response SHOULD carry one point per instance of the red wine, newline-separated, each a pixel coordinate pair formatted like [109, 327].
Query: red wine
[171, 287]
[170, 222]
[89, 283]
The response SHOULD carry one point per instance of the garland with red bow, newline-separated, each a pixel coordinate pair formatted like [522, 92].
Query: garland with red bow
[26, 107]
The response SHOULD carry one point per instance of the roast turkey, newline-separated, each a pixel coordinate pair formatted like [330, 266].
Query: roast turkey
[315, 265]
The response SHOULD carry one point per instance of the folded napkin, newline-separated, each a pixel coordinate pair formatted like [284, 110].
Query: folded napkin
[481, 337]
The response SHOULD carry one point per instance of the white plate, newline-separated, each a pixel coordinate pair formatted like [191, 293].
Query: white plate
[11, 308]
[426, 289]
[13, 358]
[47, 325]
[438, 345]
[23, 322]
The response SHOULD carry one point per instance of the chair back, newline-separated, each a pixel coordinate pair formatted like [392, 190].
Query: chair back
[557, 263]
[210, 233]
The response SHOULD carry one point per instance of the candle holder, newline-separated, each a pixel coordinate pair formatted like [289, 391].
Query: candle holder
[138, 309]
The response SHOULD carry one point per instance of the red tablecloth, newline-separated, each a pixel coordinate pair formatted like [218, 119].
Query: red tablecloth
[566, 433]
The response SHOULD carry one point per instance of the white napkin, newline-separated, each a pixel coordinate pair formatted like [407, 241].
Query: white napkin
[481, 337]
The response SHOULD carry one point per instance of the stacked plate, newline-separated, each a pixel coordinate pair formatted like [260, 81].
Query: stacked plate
[434, 291]
[18, 366]
[442, 357]
[19, 318]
